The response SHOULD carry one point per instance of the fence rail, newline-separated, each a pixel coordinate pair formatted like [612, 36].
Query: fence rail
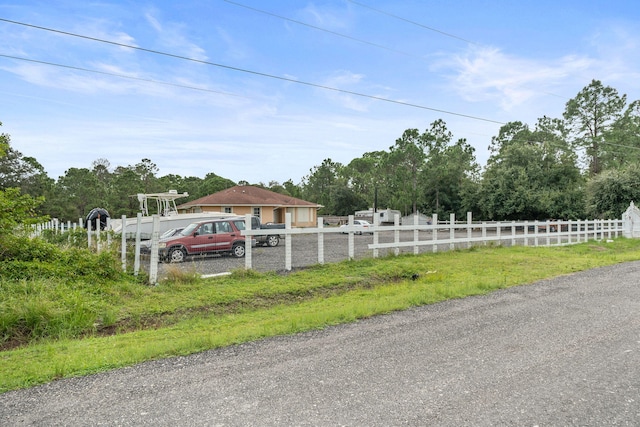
[469, 233]
[437, 235]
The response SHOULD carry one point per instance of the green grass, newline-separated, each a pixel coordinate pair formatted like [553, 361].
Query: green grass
[72, 328]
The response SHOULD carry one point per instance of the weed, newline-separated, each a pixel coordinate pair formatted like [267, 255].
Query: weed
[177, 275]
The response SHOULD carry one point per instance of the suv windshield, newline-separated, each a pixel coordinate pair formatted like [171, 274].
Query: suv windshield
[189, 229]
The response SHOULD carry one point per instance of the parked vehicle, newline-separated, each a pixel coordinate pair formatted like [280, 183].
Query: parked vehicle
[205, 237]
[168, 212]
[551, 225]
[271, 238]
[360, 225]
[145, 245]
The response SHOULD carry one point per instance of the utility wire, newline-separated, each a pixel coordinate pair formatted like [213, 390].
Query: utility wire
[321, 29]
[434, 30]
[257, 73]
[412, 22]
[124, 76]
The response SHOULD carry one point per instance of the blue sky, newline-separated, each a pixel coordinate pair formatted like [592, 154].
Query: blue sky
[272, 88]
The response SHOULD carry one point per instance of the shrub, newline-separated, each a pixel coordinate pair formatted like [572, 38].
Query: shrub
[23, 248]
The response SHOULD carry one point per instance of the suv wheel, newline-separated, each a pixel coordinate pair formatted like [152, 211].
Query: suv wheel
[273, 240]
[176, 255]
[238, 250]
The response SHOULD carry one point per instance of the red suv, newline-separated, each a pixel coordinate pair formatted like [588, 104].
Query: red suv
[205, 237]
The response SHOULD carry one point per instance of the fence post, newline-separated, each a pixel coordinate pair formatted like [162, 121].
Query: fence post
[89, 234]
[376, 223]
[416, 233]
[396, 234]
[452, 230]
[320, 241]
[513, 233]
[609, 228]
[434, 234]
[155, 234]
[351, 241]
[287, 242]
[247, 243]
[108, 234]
[136, 263]
[469, 228]
[535, 232]
[547, 231]
[586, 230]
[499, 233]
[98, 223]
[569, 230]
[484, 232]
[123, 245]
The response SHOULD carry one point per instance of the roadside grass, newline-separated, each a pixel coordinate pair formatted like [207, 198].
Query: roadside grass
[83, 328]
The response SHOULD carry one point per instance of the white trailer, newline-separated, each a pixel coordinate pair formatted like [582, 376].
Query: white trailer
[383, 215]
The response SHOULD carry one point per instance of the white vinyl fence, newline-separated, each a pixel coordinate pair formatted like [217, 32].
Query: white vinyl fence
[439, 235]
[452, 234]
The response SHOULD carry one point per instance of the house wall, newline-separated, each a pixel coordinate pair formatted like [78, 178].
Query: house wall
[303, 216]
[300, 216]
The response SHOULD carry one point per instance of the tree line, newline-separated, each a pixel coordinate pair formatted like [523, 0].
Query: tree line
[584, 164]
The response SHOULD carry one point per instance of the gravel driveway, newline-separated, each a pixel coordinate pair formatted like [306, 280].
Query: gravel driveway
[560, 352]
[304, 253]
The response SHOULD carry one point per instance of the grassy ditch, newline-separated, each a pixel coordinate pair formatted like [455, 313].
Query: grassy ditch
[54, 327]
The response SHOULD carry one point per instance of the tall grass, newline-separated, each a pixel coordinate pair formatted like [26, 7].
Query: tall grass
[74, 327]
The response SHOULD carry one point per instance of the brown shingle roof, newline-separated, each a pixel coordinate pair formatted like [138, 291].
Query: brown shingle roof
[246, 195]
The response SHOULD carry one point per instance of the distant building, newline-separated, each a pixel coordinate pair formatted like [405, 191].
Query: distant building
[267, 205]
[383, 215]
[422, 219]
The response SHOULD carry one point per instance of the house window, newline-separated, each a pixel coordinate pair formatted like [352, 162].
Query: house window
[303, 215]
[227, 209]
[256, 212]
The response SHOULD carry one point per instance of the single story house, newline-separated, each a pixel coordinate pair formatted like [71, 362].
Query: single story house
[266, 205]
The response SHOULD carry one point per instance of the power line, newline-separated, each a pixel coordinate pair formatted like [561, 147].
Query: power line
[434, 30]
[412, 22]
[124, 76]
[257, 73]
[320, 29]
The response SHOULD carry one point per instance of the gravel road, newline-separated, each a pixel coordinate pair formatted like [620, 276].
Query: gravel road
[559, 352]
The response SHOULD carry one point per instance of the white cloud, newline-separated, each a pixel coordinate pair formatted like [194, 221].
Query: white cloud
[618, 50]
[173, 36]
[233, 48]
[327, 18]
[348, 81]
[488, 74]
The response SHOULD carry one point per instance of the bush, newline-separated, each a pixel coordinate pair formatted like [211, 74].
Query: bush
[23, 248]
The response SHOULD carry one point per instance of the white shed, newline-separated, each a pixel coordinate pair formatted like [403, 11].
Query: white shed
[631, 221]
